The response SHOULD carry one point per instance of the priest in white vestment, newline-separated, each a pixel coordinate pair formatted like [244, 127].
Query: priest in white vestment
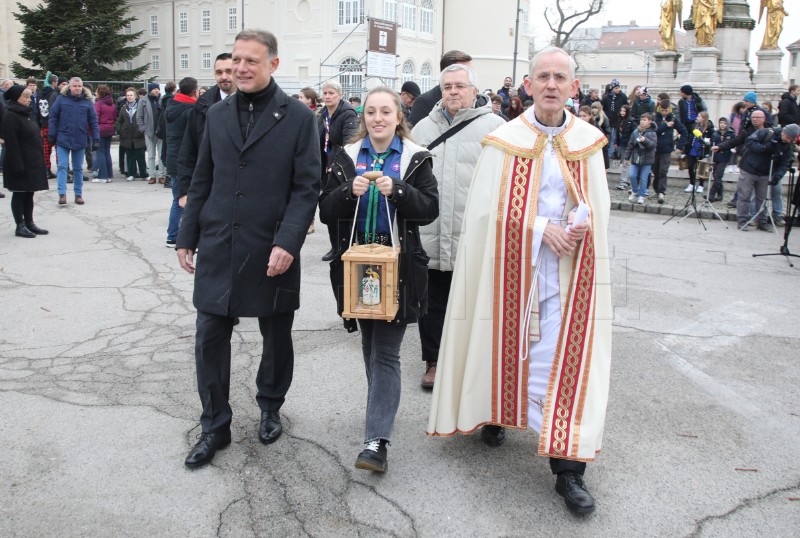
[527, 336]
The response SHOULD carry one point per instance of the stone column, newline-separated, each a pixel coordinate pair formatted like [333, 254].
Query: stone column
[665, 69]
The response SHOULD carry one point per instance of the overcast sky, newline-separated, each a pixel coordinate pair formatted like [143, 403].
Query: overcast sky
[646, 13]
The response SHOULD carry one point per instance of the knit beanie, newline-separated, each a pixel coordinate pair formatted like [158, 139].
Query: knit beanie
[62, 80]
[750, 97]
[792, 130]
[153, 86]
[687, 89]
[13, 93]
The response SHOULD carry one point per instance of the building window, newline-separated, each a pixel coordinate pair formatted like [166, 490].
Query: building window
[206, 60]
[350, 12]
[128, 65]
[155, 62]
[350, 77]
[154, 25]
[184, 61]
[233, 19]
[408, 15]
[425, 77]
[206, 20]
[183, 22]
[390, 10]
[407, 71]
[126, 29]
[426, 17]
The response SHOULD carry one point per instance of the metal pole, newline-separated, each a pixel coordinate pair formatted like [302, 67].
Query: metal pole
[516, 47]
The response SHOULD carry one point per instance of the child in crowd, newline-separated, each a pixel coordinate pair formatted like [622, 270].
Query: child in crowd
[624, 129]
[697, 148]
[640, 154]
[721, 159]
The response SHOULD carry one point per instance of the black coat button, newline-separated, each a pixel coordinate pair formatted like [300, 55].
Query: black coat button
[242, 164]
[236, 225]
[239, 194]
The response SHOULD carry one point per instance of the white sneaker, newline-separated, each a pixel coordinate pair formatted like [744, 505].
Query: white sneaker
[699, 188]
[632, 197]
[640, 200]
[129, 178]
[688, 188]
[95, 180]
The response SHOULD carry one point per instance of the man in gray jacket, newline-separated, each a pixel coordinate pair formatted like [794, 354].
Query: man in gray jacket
[147, 121]
[464, 117]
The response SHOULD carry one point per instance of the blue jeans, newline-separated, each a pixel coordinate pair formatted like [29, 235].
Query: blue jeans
[175, 211]
[63, 155]
[614, 138]
[638, 177]
[103, 160]
[380, 343]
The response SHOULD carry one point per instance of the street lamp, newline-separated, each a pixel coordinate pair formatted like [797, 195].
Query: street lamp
[516, 47]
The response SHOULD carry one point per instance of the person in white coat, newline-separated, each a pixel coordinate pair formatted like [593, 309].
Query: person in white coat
[452, 132]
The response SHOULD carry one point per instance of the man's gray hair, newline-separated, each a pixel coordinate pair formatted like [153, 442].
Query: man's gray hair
[552, 49]
[473, 76]
[332, 84]
[264, 37]
[75, 79]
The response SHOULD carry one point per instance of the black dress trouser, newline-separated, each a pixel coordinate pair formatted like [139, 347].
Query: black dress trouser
[559, 466]
[213, 363]
[431, 324]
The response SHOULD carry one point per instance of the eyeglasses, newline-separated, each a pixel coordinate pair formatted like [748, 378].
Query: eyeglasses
[460, 86]
[544, 78]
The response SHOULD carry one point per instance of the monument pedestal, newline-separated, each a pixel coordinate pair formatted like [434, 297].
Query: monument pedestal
[769, 67]
[704, 65]
[665, 69]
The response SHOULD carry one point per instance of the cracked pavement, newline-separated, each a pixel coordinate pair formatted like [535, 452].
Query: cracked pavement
[97, 375]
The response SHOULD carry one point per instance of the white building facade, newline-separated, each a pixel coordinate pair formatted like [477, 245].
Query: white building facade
[317, 39]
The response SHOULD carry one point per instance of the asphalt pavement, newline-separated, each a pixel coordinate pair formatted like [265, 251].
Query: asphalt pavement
[98, 382]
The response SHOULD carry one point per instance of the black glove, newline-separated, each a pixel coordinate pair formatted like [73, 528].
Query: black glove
[774, 181]
[51, 140]
[95, 145]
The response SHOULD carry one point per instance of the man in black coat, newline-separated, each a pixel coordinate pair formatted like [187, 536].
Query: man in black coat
[425, 102]
[196, 124]
[788, 111]
[252, 195]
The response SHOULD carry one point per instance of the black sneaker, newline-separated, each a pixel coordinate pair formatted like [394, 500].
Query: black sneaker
[171, 243]
[373, 457]
[493, 435]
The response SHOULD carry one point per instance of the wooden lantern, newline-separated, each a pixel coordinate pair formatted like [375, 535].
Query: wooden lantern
[703, 169]
[370, 282]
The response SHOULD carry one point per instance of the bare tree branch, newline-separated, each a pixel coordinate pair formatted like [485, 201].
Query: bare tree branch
[565, 25]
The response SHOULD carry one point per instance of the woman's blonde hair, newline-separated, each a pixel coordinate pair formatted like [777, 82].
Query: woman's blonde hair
[402, 129]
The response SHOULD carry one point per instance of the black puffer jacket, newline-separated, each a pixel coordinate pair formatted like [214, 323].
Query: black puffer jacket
[764, 148]
[24, 169]
[416, 198]
[666, 134]
[788, 110]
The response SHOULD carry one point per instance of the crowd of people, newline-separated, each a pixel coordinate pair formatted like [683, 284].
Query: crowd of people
[248, 166]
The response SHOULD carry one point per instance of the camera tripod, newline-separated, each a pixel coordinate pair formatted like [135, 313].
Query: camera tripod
[691, 206]
[793, 198]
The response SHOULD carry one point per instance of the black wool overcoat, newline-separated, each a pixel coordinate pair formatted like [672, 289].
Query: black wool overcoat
[24, 169]
[245, 198]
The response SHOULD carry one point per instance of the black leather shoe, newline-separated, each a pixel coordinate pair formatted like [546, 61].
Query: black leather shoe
[764, 227]
[203, 452]
[35, 229]
[569, 485]
[270, 428]
[493, 435]
[329, 256]
[23, 231]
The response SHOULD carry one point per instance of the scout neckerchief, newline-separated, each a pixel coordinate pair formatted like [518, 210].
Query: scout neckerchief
[371, 224]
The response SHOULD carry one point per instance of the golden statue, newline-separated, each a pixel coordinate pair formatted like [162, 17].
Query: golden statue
[775, 15]
[706, 14]
[670, 15]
